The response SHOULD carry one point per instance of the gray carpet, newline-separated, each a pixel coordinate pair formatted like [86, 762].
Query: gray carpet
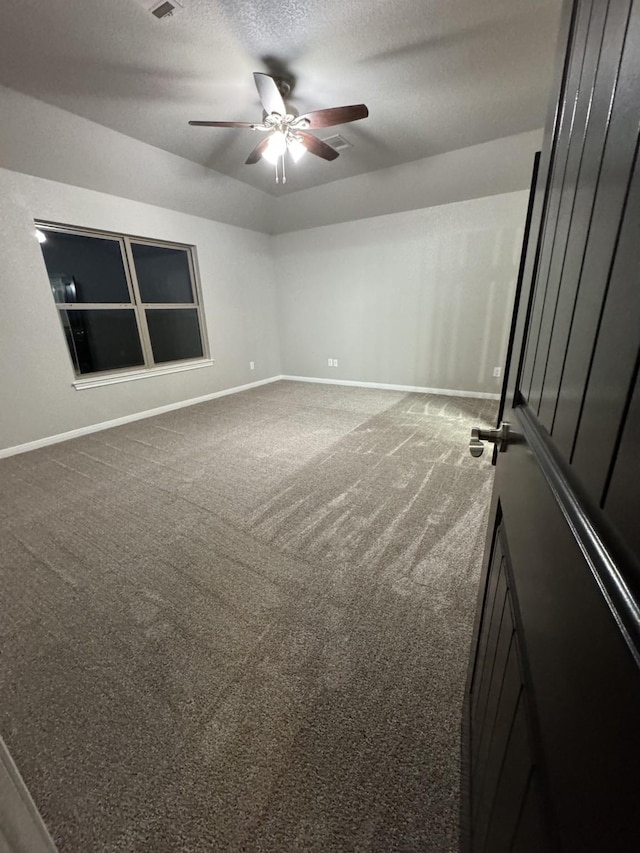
[244, 626]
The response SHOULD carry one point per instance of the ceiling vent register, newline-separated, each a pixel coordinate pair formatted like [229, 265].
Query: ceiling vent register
[338, 142]
[162, 8]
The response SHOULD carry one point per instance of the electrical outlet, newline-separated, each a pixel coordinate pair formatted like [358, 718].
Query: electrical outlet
[252, 365]
[497, 372]
[330, 362]
[335, 362]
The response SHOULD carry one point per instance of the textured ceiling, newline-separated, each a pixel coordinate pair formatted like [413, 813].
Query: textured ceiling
[437, 75]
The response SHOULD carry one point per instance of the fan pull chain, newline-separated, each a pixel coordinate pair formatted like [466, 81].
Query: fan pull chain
[284, 174]
[277, 176]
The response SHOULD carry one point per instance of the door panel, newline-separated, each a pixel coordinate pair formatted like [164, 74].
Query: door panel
[614, 359]
[626, 474]
[617, 164]
[531, 832]
[567, 196]
[503, 756]
[551, 740]
[582, 678]
[496, 676]
[557, 169]
[582, 212]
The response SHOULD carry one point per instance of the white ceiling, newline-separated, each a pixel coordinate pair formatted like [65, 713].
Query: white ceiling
[437, 75]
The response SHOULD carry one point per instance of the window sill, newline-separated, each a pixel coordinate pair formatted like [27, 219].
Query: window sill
[115, 378]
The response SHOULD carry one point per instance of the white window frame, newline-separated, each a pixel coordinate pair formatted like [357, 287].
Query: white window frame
[149, 368]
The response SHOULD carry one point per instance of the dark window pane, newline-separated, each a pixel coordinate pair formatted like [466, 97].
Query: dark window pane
[174, 333]
[84, 269]
[163, 274]
[102, 340]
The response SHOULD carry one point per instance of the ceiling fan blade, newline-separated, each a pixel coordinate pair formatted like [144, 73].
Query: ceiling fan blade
[336, 115]
[269, 94]
[222, 123]
[317, 146]
[256, 154]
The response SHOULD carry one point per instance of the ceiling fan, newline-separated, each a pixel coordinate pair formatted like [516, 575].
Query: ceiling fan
[287, 132]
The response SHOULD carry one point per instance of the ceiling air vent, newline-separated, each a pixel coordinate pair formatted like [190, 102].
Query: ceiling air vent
[338, 142]
[162, 8]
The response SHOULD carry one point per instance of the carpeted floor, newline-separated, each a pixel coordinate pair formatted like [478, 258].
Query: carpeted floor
[244, 626]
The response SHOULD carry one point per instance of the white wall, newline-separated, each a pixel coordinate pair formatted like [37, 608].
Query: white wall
[419, 298]
[45, 141]
[36, 395]
[492, 168]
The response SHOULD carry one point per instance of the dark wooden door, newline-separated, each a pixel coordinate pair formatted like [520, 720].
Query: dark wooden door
[551, 754]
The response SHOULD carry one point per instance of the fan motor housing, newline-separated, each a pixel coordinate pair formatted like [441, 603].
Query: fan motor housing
[284, 84]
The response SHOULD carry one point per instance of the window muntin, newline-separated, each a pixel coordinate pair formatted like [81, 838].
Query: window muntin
[124, 304]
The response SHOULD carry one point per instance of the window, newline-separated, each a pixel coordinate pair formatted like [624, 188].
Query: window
[125, 304]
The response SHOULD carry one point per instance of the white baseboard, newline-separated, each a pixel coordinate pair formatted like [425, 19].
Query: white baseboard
[22, 829]
[137, 416]
[181, 404]
[446, 392]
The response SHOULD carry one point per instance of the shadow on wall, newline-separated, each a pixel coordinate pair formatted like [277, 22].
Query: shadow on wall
[422, 298]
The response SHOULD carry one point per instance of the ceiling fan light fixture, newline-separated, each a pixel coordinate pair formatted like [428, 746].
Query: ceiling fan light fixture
[276, 147]
[286, 131]
[296, 148]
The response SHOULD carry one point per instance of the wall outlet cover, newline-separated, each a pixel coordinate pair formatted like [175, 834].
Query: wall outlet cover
[497, 371]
